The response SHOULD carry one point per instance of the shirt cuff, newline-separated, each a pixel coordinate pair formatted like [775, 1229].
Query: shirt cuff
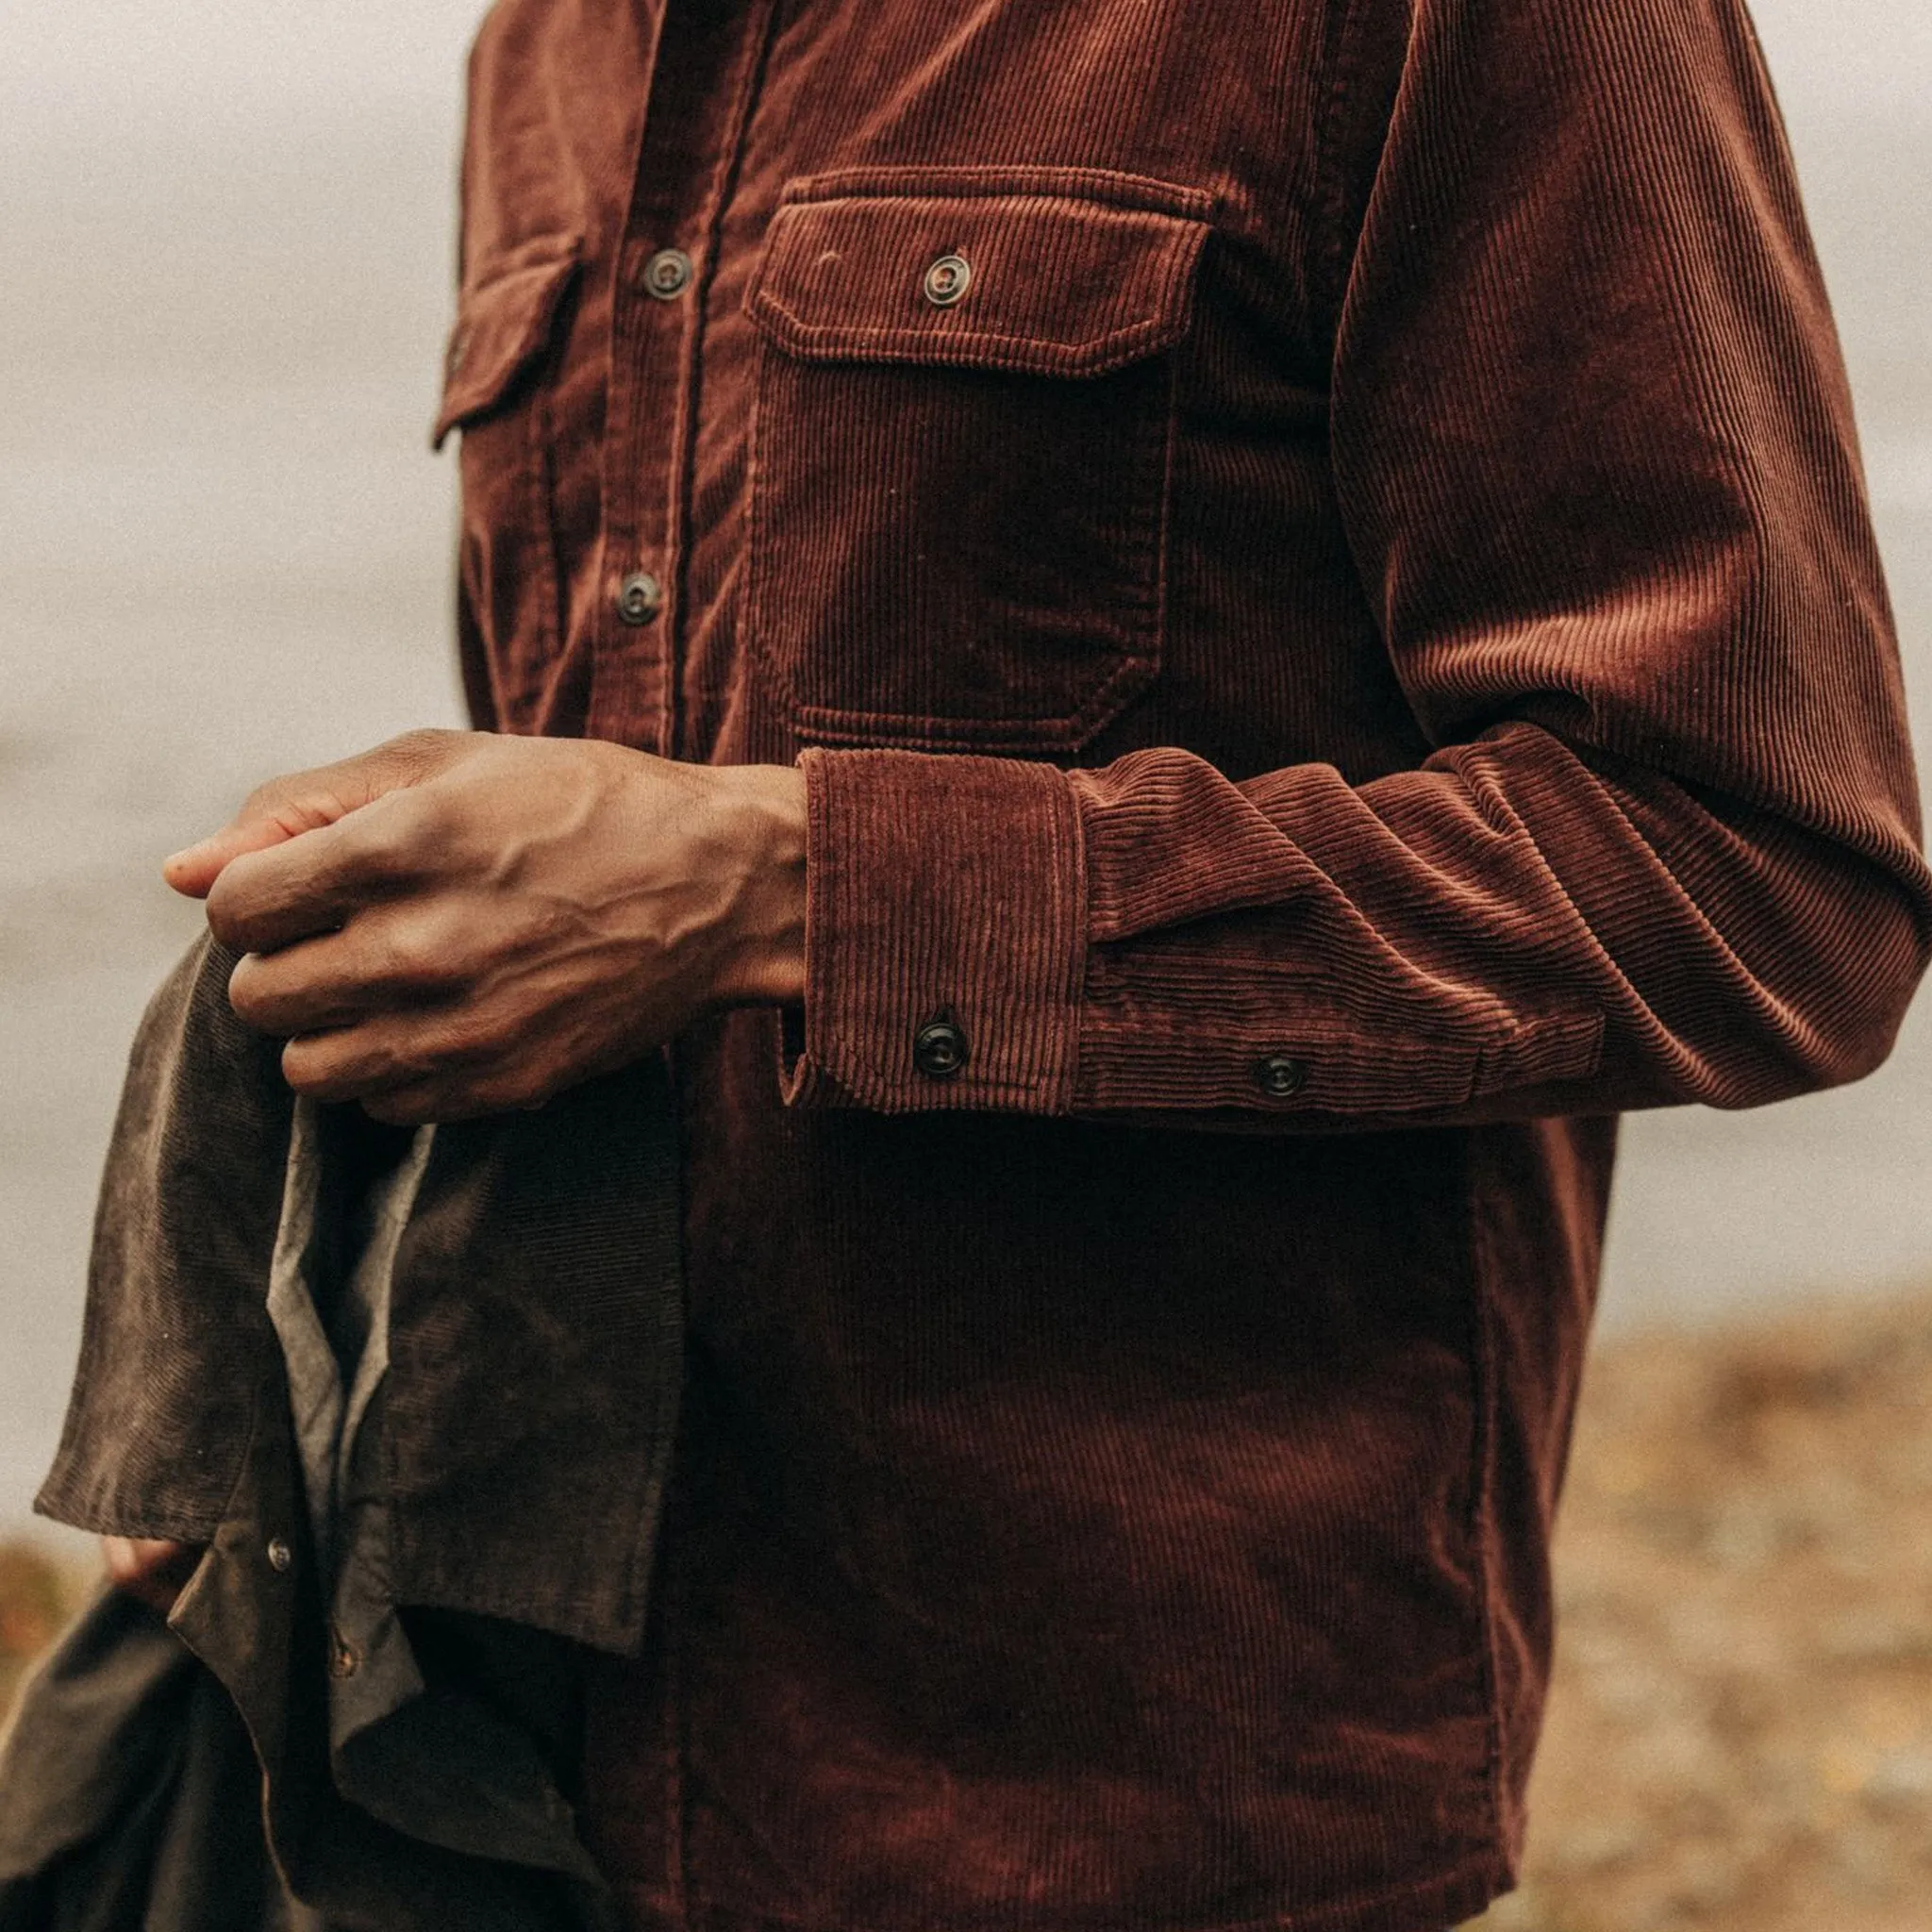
[945, 934]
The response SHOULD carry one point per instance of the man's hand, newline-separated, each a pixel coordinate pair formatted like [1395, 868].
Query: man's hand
[456, 924]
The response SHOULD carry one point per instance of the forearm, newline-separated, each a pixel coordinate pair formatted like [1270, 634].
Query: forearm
[1510, 930]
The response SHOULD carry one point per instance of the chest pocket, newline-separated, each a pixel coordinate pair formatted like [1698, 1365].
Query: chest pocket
[498, 391]
[960, 452]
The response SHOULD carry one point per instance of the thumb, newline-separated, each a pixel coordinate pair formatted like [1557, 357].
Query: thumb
[302, 802]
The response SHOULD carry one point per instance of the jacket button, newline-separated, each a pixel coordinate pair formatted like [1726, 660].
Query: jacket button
[639, 597]
[667, 275]
[947, 279]
[279, 1554]
[1280, 1076]
[939, 1049]
[343, 1661]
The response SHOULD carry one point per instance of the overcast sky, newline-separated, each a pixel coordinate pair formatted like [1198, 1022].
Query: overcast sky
[68, 60]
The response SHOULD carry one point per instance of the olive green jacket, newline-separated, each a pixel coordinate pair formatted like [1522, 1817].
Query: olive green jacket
[416, 1395]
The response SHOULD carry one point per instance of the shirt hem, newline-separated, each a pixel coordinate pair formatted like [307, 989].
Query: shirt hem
[1435, 1905]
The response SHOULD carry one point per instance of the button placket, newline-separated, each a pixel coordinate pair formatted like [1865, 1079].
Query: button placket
[702, 86]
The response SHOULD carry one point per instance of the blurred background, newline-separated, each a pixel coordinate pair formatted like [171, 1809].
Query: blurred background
[224, 551]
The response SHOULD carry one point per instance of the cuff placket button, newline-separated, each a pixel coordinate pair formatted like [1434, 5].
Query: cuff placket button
[939, 1049]
[948, 279]
[1280, 1076]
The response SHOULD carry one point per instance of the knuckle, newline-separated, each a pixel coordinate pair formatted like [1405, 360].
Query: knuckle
[372, 841]
[412, 958]
[266, 801]
[398, 957]
[306, 1068]
[422, 739]
[249, 998]
[225, 912]
[424, 749]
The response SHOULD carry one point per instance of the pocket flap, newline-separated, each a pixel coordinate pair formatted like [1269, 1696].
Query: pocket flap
[502, 322]
[1049, 283]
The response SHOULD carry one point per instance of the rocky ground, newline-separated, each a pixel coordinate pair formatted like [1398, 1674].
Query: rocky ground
[1741, 1733]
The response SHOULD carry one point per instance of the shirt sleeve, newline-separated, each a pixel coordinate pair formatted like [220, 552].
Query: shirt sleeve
[1595, 456]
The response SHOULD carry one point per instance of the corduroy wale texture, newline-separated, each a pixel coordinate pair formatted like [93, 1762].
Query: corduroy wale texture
[1349, 650]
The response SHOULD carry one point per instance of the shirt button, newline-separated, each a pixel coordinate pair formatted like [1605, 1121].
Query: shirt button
[939, 1049]
[667, 275]
[639, 597]
[947, 279]
[279, 1554]
[1280, 1076]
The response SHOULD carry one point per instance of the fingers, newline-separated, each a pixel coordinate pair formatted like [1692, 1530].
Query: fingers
[444, 1063]
[304, 801]
[313, 883]
[390, 1050]
[381, 961]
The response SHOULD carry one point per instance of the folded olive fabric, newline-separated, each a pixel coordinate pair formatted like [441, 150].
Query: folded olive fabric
[144, 1785]
[415, 1392]
[129, 1789]
[534, 1341]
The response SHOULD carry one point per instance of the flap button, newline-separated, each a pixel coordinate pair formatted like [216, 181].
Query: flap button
[947, 279]
[939, 1049]
[667, 275]
[639, 597]
[1280, 1076]
[279, 1554]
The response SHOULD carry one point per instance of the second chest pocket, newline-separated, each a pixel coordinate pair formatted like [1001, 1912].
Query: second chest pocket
[960, 453]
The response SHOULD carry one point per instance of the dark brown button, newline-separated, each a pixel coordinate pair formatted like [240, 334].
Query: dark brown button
[667, 275]
[947, 279]
[639, 597]
[939, 1049]
[1280, 1076]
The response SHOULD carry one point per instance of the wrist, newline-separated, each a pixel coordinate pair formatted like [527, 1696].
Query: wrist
[764, 964]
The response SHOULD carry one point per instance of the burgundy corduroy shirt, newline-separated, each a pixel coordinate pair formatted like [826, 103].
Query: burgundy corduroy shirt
[1314, 557]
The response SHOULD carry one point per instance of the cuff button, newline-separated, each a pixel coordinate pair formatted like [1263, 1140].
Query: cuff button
[939, 1048]
[947, 280]
[1280, 1076]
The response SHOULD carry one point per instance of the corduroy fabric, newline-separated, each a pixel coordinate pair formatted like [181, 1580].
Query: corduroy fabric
[1352, 652]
